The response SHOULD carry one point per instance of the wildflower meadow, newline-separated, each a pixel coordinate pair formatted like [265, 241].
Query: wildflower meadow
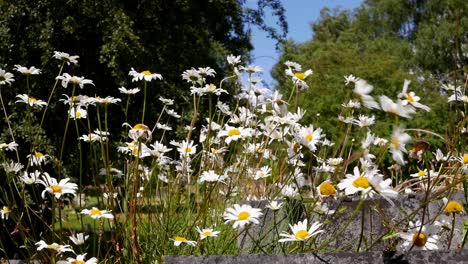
[171, 184]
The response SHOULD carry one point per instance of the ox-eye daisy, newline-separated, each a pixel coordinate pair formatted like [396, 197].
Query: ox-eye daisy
[5, 212]
[146, 75]
[75, 80]
[54, 246]
[80, 259]
[300, 232]
[422, 238]
[234, 133]
[397, 145]
[31, 101]
[57, 188]
[6, 77]
[27, 71]
[178, 240]
[95, 213]
[65, 57]
[207, 232]
[242, 215]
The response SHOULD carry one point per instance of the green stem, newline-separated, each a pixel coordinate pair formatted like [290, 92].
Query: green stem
[144, 103]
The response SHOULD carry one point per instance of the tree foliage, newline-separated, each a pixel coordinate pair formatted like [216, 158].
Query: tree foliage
[383, 42]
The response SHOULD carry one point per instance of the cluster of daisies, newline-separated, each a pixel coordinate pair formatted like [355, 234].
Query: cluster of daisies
[261, 145]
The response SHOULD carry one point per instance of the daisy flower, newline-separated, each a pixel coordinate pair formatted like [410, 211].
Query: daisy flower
[185, 148]
[210, 176]
[178, 240]
[91, 138]
[298, 78]
[234, 133]
[293, 65]
[95, 213]
[138, 131]
[65, 57]
[37, 158]
[205, 72]
[172, 113]
[251, 69]
[166, 101]
[54, 246]
[300, 232]
[192, 76]
[10, 146]
[453, 207]
[80, 259]
[136, 149]
[78, 239]
[363, 89]
[263, 172]
[146, 75]
[129, 91]
[75, 80]
[242, 215]
[31, 101]
[6, 77]
[421, 238]
[356, 182]
[395, 108]
[350, 78]
[233, 60]
[57, 188]
[309, 137]
[411, 98]
[12, 167]
[78, 113]
[397, 145]
[30, 178]
[5, 212]
[274, 205]
[27, 71]
[207, 232]
[364, 121]
[108, 100]
[326, 189]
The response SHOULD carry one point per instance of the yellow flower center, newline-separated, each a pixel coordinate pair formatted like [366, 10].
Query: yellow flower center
[419, 239]
[140, 127]
[38, 155]
[422, 173]
[453, 207]
[181, 239]
[56, 189]
[32, 100]
[188, 150]
[146, 73]
[135, 152]
[396, 143]
[95, 211]
[6, 209]
[301, 234]
[234, 132]
[77, 262]
[361, 182]
[409, 98]
[243, 215]
[300, 75]
[309, 137]
[77, 114]
[327, 188]
[206, 233]
[465, 159]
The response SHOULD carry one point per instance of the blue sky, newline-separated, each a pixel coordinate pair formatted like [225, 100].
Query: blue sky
[299, 14]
